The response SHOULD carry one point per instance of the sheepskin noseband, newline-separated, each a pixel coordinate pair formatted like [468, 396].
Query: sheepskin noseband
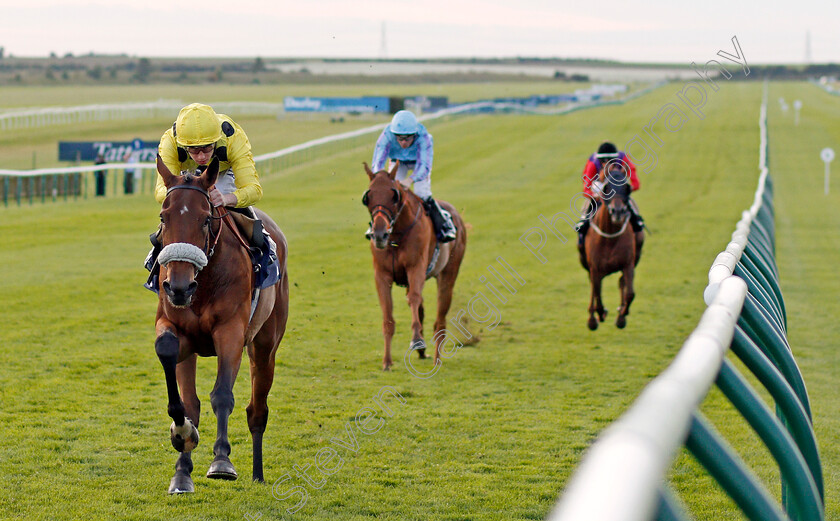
[184, 252]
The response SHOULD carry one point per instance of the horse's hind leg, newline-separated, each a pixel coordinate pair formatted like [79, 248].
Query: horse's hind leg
[261, 354]
[262, 377]
[445, 286]
[229, 342]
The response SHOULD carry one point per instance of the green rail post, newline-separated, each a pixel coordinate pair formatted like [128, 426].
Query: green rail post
[806, 504]
[668, 508]
[791, 411]
[774, 345]
[730, 471]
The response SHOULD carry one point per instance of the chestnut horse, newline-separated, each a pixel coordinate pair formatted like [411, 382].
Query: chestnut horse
[204, 309]
[611, 247]
[404, 247]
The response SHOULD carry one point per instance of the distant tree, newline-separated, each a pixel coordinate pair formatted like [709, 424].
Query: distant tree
[112, 72]
[53, 55]
[259, 65]
[2, 52]
[144, 69]
[18, 78]
[50, 75]
[216, 75]
[65, 76]
[95, 73]
[68, 55]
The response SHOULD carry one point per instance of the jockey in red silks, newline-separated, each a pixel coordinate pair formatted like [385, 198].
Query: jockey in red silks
[608, 157]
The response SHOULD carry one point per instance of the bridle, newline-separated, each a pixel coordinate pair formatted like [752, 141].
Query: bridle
[389, 215]
[212, 238]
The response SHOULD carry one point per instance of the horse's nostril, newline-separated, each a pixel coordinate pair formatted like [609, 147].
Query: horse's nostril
[167, 288]
[191, 288]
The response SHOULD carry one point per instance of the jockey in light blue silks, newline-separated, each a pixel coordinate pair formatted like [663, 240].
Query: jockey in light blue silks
[408, 141]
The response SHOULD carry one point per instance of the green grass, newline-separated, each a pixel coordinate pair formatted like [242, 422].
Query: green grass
[498, 431]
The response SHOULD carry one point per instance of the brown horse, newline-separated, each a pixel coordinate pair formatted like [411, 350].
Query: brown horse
[612, 246]
[204, 309]
[404, 248]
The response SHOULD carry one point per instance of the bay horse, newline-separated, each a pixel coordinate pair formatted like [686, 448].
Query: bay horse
[611, 246]
[406, 252]
[204, 309]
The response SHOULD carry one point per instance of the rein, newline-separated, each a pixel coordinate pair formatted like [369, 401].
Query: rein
[403, 233]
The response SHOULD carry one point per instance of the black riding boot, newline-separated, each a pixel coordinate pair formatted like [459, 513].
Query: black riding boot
[151, 263]
[264, 252]
[635, 217]
[441, 220]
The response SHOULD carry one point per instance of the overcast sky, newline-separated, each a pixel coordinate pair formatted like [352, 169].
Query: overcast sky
[651, 31]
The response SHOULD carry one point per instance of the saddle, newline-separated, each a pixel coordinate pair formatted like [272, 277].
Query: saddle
[263, 251]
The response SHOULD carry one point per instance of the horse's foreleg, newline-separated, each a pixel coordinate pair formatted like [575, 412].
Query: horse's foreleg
[229, 342]
[183, 434]
[627, 295]
[414, 294]
[185, 373]
[383, 289]
[167, 349]
[595, 301]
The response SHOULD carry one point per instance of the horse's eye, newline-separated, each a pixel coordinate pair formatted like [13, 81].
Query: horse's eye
[207, 222]
[161, 217]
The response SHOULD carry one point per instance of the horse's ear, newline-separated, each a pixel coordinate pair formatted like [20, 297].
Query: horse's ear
[208, 178]
[168, 177]
[369, 171]
[393, 173]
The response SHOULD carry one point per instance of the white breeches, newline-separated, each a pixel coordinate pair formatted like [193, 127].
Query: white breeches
[423, 188]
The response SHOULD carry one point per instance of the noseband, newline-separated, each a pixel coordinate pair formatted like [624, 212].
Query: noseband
[386, 212]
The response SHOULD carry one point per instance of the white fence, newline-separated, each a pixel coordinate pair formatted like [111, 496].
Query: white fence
[48, 116]
[52, 183]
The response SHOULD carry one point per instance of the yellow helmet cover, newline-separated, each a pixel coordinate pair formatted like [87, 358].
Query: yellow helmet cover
[197, 125]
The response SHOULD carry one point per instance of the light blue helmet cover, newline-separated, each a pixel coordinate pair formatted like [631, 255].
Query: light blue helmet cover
[404, 122]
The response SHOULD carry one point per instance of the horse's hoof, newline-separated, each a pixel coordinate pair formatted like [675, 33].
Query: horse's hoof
[181, 484]
[419, 346]
[386, 367]
[602, 315]
[222, 468]
[592, 324]
[620, 322]
[185, 437]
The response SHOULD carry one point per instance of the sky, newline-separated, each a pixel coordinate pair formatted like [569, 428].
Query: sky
[672, 31]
